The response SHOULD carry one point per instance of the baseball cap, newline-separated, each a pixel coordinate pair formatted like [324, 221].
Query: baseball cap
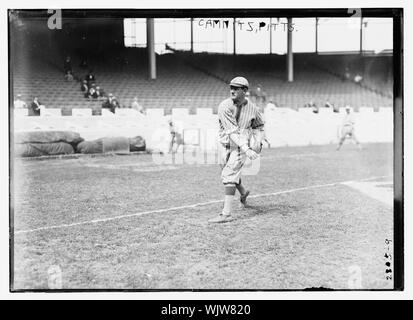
[239, 82]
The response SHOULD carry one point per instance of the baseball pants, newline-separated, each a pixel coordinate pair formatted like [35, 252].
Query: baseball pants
[232, 161]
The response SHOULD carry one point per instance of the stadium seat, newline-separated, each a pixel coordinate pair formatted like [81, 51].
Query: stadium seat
[196, 88]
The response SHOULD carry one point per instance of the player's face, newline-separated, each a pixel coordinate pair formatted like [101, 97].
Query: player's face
[237, 93]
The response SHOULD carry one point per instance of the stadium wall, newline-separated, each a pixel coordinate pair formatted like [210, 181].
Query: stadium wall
[284, 127]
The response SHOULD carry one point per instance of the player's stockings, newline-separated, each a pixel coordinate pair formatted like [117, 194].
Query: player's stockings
[229, 196]
[240, 188]
[340, 143]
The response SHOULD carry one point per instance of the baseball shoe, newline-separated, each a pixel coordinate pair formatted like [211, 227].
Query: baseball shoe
[243, 198]
[221, 218]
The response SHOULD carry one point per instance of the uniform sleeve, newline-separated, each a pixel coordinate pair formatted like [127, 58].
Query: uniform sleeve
[258, 122]
[230, 127]
[227, 120]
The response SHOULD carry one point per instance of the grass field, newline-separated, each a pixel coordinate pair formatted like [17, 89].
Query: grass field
[316, 218]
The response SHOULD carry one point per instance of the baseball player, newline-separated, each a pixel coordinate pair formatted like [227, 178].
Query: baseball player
[239, 121]
[347, 129]
[172, 131]
[176, 137]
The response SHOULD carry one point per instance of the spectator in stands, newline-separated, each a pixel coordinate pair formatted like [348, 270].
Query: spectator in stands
[346, 74]
[111, 103]
[136, 106]
[84, 87]
[34, 109]
[19, 103]
[309, 104]
[98, 93]
[314, 107]
[107, 105]
[358, 78]
[68, 65]
[90, 77]
[330, 105]
[115, 103]
[110, 97]
[69, 76]
[91, 93]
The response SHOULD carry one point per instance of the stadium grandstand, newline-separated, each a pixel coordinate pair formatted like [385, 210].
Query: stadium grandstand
[185, 78]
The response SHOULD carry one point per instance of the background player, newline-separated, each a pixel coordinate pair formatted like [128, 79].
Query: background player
[175, 138]
[347, 129]
[239, 118]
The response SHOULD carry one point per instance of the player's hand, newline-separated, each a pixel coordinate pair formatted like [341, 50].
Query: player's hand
[257, 147]
[251, 154]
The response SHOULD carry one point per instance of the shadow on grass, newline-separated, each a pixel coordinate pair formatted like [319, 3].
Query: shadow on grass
[280, 209]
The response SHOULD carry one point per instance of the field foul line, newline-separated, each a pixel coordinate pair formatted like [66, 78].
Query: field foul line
[200, 204]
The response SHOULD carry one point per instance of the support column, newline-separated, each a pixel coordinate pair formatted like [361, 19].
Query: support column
[270, 35]
[290, 67]
[234, 28]
[192, 35]
[361, 35]
[150, 46]
[316, 35]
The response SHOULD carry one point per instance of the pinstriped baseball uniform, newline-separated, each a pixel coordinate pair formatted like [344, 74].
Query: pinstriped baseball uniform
[241, 121]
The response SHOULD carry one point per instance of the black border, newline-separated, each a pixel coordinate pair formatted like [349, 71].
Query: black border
[398, 152]
[210, 12]
[11, 155]
[398, 120]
